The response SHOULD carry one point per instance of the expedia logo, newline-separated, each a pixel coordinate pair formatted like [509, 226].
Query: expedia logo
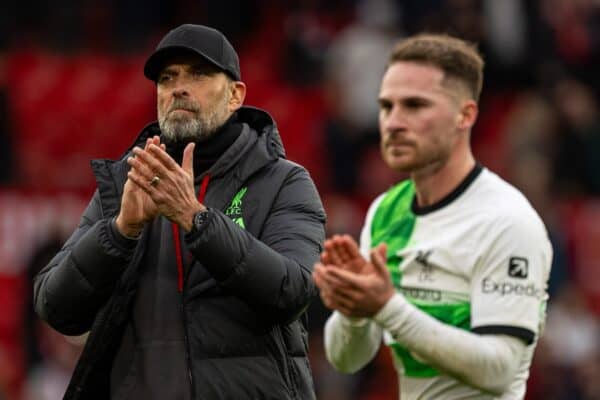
[518, 267]
[509, 288]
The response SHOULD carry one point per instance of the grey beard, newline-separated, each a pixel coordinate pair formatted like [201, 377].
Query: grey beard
[180, 130]
[196, 128]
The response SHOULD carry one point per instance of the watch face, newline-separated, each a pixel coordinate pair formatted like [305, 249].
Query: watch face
[199, 218]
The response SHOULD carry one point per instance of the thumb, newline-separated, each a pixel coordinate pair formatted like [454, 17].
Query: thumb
[187, 163]
[378, 259]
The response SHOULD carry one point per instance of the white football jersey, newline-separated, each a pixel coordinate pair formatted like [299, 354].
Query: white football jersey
[478, 260]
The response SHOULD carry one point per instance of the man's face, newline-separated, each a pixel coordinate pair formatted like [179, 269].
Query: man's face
[418, 115]
[193, 99]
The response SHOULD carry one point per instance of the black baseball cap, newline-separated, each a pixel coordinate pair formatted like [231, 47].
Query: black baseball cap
[197, 39]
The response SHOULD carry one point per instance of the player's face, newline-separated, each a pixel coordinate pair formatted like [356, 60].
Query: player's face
[418, 114]
[193, 99]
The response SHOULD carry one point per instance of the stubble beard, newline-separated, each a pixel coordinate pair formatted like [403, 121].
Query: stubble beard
[420, 159]
[195, 127]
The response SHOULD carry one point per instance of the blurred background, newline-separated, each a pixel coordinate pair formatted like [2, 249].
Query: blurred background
[72, 89]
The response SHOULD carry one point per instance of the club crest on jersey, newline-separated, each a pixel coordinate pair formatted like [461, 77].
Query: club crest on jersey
[234, 211]
[518, 267]
[426, 274]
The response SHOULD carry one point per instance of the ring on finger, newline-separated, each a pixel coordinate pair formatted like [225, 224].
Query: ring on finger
[154, 181]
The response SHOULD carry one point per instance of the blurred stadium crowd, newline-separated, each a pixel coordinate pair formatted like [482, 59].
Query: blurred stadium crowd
[72, 89]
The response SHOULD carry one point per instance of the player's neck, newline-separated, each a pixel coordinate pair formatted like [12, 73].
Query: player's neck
[433, 184]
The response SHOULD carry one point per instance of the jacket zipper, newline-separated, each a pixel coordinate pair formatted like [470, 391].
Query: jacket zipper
[181, 286]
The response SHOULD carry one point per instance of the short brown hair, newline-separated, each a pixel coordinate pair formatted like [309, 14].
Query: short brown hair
[455, 57]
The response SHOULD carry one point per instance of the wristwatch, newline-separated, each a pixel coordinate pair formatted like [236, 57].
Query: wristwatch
[198, 220]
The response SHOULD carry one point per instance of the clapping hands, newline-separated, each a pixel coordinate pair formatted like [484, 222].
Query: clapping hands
[155, 185]
[348, 282]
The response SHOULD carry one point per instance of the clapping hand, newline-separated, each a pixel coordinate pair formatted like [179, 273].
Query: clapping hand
[137, 207]
[350, 284]
[169, 185]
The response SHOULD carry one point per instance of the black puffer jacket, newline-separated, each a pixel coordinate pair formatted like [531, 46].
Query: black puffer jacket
[244, 296]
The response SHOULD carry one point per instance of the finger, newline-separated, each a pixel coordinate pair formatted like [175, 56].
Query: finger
[317, 280]
[379, 259]
[163, 157]
[332, 277]
[344, 251]
[152, 162]
[322, 273]
[331, 295]
[343, 305]
[347, 248]
[187, 163]
[325, 258]
[318, 277]
[328, 283]
[338, 246]
[382, 248]
[348, 295]
[140, 182]
[345, 278]
[139, 147]
[141, 168]
[351, 247]
[318, 267]
[333, 252]
[327, 302]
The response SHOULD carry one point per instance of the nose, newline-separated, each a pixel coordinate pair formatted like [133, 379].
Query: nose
[180, 92]
[180, 88]
[394, 121]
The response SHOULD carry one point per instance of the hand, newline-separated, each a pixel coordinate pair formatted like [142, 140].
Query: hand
[343, 252]
[174, 194]
[137, 207]
[361, 294]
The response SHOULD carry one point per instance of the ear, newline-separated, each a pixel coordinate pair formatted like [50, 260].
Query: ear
[467, 115]
[238, 94]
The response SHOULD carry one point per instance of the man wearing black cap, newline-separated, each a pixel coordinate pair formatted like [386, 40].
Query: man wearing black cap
[191, 265]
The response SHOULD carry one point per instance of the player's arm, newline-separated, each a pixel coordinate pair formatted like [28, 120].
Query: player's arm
[485, 362]
[488, 362]
[350, 344]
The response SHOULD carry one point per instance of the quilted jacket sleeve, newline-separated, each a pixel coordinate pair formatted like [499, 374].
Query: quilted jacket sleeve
[70, 290]
[273, 273]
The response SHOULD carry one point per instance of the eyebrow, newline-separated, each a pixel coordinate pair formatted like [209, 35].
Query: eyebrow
[168, 71]
[411, 98]
[204, 66]
[207, 68]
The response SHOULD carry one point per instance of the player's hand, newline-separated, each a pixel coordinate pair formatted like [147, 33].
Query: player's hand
[355, 294]
[343, 251]
[173, 191]
[137, 207]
